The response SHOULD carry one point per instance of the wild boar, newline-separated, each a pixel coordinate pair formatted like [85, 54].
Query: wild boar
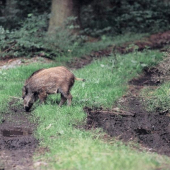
[48, 81]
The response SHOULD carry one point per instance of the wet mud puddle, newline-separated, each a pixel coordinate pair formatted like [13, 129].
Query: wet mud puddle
[17, 142]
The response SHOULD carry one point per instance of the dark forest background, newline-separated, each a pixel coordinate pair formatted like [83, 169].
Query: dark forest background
[24, 24]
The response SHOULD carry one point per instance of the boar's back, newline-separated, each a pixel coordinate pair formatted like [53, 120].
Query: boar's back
[54, 77]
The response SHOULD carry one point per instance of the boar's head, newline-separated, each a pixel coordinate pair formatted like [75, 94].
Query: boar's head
[29, 98]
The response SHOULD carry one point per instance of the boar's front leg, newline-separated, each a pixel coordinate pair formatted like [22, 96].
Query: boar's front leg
[42, 96]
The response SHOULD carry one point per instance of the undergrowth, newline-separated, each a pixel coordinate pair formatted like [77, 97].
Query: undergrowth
[32, 40]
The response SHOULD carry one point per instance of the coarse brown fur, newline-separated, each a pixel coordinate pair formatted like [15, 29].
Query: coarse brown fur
[48, 81]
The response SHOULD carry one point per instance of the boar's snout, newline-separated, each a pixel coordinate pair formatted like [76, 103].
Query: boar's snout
[27, 108]
[29, 100]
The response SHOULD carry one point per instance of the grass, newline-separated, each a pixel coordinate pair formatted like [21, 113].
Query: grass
[105, 42]
[106, 79]
[79, 50]
[73, 148]
[157, 100]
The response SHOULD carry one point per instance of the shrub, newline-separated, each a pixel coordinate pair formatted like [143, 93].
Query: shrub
[117, 17]
[24, 41]
[14, 11]
[32, 39]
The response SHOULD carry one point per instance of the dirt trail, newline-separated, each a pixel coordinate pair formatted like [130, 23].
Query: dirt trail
[131, 121]
[17, 142]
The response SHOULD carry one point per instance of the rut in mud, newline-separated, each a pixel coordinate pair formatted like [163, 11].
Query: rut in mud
[131, 122]
[17, 142]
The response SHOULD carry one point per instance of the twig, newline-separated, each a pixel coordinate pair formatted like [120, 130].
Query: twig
[15, 97]
[115, 112]
[9, 48]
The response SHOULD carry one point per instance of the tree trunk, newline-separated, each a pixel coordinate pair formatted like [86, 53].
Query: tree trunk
[10, 9]
[61, 10]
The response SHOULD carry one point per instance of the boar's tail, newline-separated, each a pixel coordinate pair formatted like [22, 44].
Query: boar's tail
[79, 79]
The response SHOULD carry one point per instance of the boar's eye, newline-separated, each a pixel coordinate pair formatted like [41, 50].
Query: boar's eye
[35, 93]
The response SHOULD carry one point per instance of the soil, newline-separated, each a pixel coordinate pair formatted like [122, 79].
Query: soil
[129, 122]
[17, 142]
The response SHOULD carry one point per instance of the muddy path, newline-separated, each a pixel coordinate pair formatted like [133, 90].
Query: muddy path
[17, 142]
[129, 120]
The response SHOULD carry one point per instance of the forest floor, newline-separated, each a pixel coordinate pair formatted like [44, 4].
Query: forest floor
[131, 122]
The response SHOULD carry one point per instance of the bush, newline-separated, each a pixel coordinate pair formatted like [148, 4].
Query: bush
[32, 39]
[24, 41]
[117, 17]
[13, 12]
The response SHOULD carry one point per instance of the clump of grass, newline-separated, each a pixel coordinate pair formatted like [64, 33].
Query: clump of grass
[157, 100]
[104, 42]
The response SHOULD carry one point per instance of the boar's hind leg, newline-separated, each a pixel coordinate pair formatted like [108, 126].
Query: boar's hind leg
[63, 100]
[65, 91]
[68, 97]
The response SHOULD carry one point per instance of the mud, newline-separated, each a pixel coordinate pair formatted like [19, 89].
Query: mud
[17, 141]
[130, 121]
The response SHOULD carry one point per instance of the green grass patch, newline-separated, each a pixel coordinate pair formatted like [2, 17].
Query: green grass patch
[74, 148]
[157, 100]
[71, 148]
[78, 50]
[106, 79]
[105, 41]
